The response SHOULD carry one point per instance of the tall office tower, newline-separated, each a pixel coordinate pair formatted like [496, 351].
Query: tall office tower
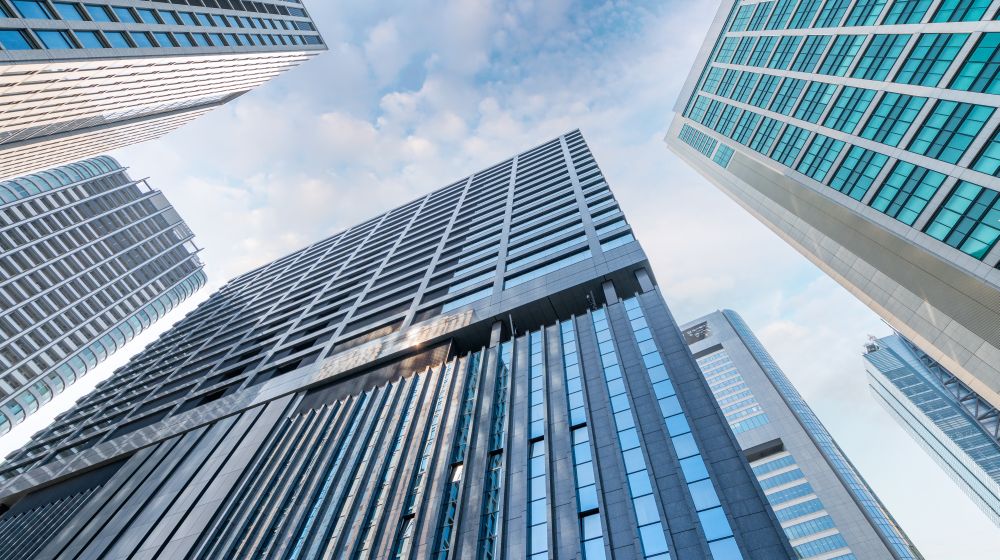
[487, 371]
[826, 509]
[88, 259]
[959, 430]
[866, 134]
[80, 79]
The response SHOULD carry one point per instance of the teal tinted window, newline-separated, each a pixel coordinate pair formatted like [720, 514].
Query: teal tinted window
[90, 40]
[765, 91]
[832, 13]
[865, 12]
[969, 220]
[930, 59]
[812, 49]
[781, 14]
[723, 155]
[711, 81]
[742, 19]
[892, 118]
[841, 55]
[961, 10]
[789, 145]
[907, 11]
[743, 50]
[804, 14]
[815, 101]
[728, 82]
[979, 73]
[697, 140]
[906, 192]
[745, 86]
[697, 110]
[765, 136]
[726, 50]
[989, 159]
[857, 172]
[787, 46]
[68, 11]
[14, 40]
[712, 114]
[727, 120]
[760, 16]
[819, 158]
[787, 95]
[762, 50]
[850, 106]
[746, 127]
[949, 130]
[880, 56]
[55, 39]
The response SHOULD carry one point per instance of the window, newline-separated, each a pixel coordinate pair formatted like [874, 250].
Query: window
[789, 145]
[787, 95]
[55, 39]
[745, 86]
[949, 130]
[969, 220]
[765, 136]
[979, 72]
[14, 40]
[787, 46]
[187, 18]
[762, 50]
[930, 59]
[906, 192]
[164, 40]
[847, 111]
[117, 39]
[760, 16]
[728, 82]
[711, 82]
[697, 140]
[892, 118]
[746, 127]
[183, 40]
[90, 40]
[723, 155]
[98, 13]
[815, 101]
[68, 11]
[989, 159]
[832, 13]
[858, 171]
[725, 53]
[907, 11]
[841, 55]
[765, 91]
[142, 40]
[880, 56]
[865, 12]
[727, 122]
[782, 11]
[148, 16]
[124, 15]
[32, 9]
[805, 14]
[961, 10]
[820, 157]
[743, 50]
[812, 49]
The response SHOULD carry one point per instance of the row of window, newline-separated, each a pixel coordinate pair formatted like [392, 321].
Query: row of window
[730, 389]
[792, 14]
[537, 494]
[18, 39]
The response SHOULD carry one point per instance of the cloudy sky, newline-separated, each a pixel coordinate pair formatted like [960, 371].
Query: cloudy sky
[415, 93]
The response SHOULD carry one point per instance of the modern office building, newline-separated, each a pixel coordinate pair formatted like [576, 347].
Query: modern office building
[80, 79]
[959, 429]
[487, 371]
[866, 134]
[88, 259]
[824, 505]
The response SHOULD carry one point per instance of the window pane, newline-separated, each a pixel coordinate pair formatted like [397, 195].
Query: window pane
[55, 39]
[14, 40]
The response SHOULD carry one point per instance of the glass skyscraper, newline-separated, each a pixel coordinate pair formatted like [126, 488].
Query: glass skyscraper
[80, 79]
[866, 134]
[959, 430]
[89, 259]
[825, 507]
[487, 371]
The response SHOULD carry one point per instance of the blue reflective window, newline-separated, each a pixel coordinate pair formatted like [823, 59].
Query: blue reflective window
[949, 129]
[183, 40]
[787, 96]
[694, 468]
[68, 11]
[725, 549]
[841, 55]
[117, 39]
[930, 59]
[32, 9]
[789, 145]
[906, 192]
[148, 16]
[55, 39]
[90, 40]
[980, 71]
[187, 18]
[848, 109]
[832, 13]
[819, 157]
[858, 171]
[164, 40]
[762, 51]
[961, 10]
[765, 136]
[125, 15]
[787, 46]
[865, 12]
[715, 524]
[703, 494]
[969, 220]
[892, 117]
[804, 14]
[98, 13]
[781, 14]
[142, 39]
[812, 49]
[880, 56]
[14, 40]
[760, 16]
[815, 101]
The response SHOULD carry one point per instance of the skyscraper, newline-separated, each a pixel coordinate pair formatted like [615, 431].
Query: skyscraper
[825, 506]
[959, 430]
[89, 259]
[489, 370]
[867, 136]
[81, 79]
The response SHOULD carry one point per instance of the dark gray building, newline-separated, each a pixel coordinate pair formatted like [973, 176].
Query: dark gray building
[88, 259]
[826, 508]
[487, 371]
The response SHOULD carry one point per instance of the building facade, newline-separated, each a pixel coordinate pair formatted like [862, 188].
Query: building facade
[956, 427]
[866, 134]
[824, 505]
[89, 259]
[488, 371]
[81, 79]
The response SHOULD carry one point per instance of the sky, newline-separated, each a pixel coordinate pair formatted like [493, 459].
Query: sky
[413, 94]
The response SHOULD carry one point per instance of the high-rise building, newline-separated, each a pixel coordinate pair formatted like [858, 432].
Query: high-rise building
[824, 505]
[489, 370]
[959, 429]
[80, 79]
[88, 259]
[866, 134]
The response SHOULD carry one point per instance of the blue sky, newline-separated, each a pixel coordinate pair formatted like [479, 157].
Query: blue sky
[413, 94]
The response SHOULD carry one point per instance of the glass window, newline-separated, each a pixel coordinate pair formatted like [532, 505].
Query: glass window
[187, 18]
[969, 220]
[804, 14]
[14, 40]
[760, 16]
[848, 109]
[205, 19]
[32, 9]
[743, 51]
[979, 72]
[782, 12]
[865, 12]
[55, 39]
[746, 127]
[765, 136]
[742, 19]
[858, 171]
[98, 13]
[880, 56]
[90, 40]
[819, 158]
[765, 91]
[892, 118]
[703, 494]
[907, 11]
[201, 39]
[812, 49]
[164, 40]
[762, 50]
[949, 129]
[787, 46]
[815, 101]
[832, 13]
[726, 549]
[142, 40]
[841, 55]
[125, 15]
[745, 86]
[68, 11]
[117, 39]
[715, 524]
[148, 16]
[961, 10]
[930, 59]
[787, 95]
[789, 145]
[183, 39]
[989, 159]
